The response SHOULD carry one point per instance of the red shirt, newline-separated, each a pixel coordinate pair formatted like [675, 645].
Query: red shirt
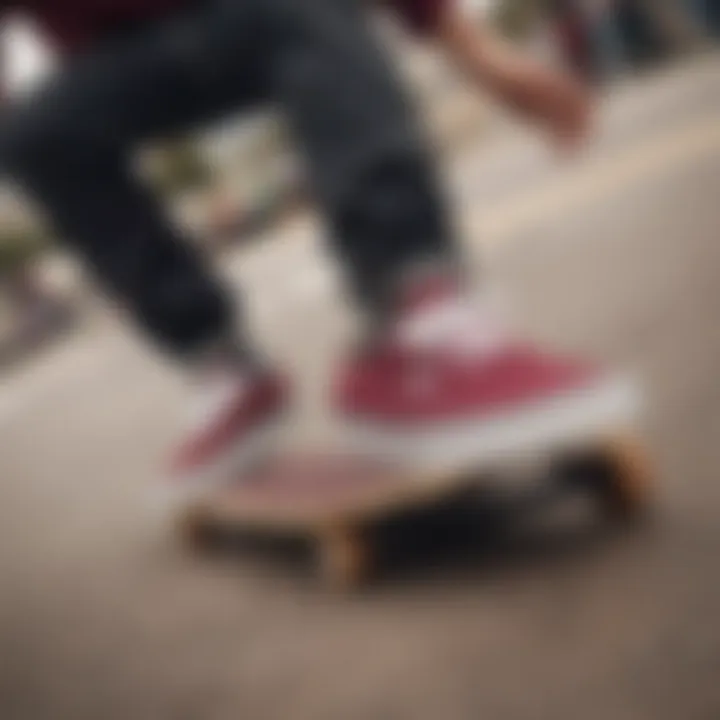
[75, 23]
[422, 16]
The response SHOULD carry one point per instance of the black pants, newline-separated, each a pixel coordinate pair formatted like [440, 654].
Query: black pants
[71, 148]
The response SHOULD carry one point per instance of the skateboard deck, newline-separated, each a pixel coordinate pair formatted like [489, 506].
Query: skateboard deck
[335, 500]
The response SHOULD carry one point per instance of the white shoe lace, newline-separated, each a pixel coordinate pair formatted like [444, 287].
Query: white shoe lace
[214, 397]
[458, 325]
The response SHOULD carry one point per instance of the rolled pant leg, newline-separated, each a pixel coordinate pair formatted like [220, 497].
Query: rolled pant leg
[366, 154]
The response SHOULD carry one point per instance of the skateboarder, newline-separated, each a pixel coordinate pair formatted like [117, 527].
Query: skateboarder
[435, 377]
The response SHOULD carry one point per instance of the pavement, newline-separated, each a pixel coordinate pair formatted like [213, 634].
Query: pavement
[613, 254]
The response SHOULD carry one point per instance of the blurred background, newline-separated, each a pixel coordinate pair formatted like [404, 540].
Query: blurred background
[614, 254]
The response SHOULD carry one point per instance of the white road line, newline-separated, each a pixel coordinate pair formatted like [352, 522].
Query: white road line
[597, 179]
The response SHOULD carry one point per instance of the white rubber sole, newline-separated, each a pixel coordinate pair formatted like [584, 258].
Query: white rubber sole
[537, 431]
[184, 491]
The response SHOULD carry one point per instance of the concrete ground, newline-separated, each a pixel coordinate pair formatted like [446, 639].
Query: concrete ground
[104, 615]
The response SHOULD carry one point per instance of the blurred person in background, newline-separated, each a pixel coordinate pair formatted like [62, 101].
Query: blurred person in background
[590, 37]
[650, 30]
[675, 23]
[712, 16]
[432, 367]
[574, 37]
[706, 14]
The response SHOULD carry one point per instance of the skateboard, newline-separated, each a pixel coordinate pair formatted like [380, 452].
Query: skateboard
[335, 502]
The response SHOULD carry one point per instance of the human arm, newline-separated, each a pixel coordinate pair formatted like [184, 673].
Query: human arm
[550, 98]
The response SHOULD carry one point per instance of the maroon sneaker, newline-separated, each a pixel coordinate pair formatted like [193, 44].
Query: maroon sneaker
[234, 423]
[447, 384]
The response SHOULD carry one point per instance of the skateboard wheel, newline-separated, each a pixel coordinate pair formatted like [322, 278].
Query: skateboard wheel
[620, 478]
[195, 528]
[344, 558]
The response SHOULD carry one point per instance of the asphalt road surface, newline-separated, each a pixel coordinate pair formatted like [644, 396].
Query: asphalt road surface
[615, 254]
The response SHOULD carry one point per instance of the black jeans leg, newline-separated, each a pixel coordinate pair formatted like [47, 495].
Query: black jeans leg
[72, 146]
[366, 154]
